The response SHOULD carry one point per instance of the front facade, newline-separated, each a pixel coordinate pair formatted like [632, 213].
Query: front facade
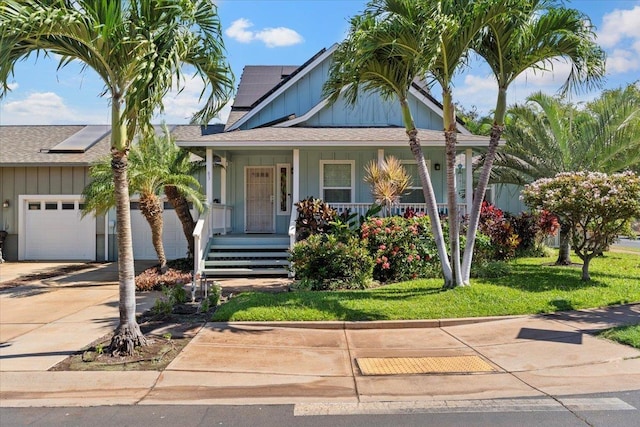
[283, 142]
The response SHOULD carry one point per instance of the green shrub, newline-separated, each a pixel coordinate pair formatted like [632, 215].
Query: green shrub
[314, 216]
[402, 248]
[490, 269]
[322, 262]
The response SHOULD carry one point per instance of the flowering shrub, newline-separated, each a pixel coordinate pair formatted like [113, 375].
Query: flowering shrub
[596, 206]
[322, 262]
[402, 248]
[533, 229]
[502, 234]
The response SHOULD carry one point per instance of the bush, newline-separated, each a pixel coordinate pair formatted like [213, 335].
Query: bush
[322, 262]
[314, 216]
[153, 280]
[403, 248]
[490, 269]
[502, 234]
[533, 229]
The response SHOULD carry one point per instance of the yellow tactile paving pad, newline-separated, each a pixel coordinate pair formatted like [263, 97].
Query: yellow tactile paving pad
[422, 365]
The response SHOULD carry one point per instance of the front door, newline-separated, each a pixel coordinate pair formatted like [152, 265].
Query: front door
[259, 199]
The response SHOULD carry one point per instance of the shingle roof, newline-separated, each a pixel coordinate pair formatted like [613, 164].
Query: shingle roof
[28, 146]
[316, 136]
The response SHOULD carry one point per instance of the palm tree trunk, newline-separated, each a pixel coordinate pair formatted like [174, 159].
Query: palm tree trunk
[432, 208]
[452, 202]
[151, 208]
[127, 336]
[181, 206]
[478, 196]
[427, 190]
[564, 252]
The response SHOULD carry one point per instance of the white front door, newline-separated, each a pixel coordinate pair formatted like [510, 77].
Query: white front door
[259, 199]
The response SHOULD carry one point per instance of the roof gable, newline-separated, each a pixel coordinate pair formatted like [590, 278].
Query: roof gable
[296, 100]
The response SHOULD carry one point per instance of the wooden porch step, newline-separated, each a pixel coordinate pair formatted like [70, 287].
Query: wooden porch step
[226, 272]
[246, 263]
[248, 254]
[259, 246]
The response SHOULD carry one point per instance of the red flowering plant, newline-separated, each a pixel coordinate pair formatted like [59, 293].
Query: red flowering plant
[402, 248]
[504, 238]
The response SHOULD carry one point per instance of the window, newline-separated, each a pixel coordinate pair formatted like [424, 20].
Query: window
[68, 206]
[34, 206]
[415, 193]
[337, 181]
[51, 206]
[284, 188]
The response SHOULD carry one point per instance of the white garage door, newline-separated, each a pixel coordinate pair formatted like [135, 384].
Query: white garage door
[54, 230]
[175, 244]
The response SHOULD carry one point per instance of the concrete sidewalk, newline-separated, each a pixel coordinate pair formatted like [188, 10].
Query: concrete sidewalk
[251, 363]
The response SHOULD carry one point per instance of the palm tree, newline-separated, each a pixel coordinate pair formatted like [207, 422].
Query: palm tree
[530, 37]
[548, 136]
[387, 47]
[137, 47]
[460, 23]
[151, 171]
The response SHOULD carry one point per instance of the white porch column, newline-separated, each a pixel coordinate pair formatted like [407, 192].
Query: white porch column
[209, 180]
[468, 157]
[380, 155]
[223, 180]
[295, 191]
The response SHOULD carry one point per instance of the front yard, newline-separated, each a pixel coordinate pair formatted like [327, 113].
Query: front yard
[534, 286]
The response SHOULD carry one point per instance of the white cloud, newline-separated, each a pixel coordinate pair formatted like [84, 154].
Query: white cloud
[46, 108]
[271, 37]
[279, 37]
[238, 31]
[180, 106]
[13, 86]
[621, 61]
[620, 35]
[618, 25]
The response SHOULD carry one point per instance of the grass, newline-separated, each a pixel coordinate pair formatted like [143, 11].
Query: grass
[534, 286]
[629, 335]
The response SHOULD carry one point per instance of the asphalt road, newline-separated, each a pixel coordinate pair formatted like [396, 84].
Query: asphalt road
[488, 413]
[628, 243]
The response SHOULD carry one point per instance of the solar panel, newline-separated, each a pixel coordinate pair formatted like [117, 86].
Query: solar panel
[82, 140]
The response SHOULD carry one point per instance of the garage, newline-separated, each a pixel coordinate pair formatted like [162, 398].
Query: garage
[53, 229]
[175, 244]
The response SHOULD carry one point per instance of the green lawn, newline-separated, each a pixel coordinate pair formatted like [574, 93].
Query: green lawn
[533, 287]
[629, 335]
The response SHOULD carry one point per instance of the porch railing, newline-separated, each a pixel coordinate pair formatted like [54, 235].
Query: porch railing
[362, 208]
[216, 219]
[201, 236]
[220, 218]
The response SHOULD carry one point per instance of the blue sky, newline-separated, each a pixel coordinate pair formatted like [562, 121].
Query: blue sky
[288, 32]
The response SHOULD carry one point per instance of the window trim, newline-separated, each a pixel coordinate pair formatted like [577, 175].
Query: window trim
[287, 195]
[413, 162]
[352, 164]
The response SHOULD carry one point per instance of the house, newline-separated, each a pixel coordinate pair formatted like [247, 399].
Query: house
[283, 142]
[43, 170]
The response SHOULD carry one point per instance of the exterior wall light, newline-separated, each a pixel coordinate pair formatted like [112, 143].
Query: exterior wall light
[6, 204]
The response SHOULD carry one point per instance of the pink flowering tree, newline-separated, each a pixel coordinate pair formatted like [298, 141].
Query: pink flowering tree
[596, 206]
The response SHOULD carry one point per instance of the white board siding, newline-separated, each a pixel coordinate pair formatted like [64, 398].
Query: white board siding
[175, 244]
